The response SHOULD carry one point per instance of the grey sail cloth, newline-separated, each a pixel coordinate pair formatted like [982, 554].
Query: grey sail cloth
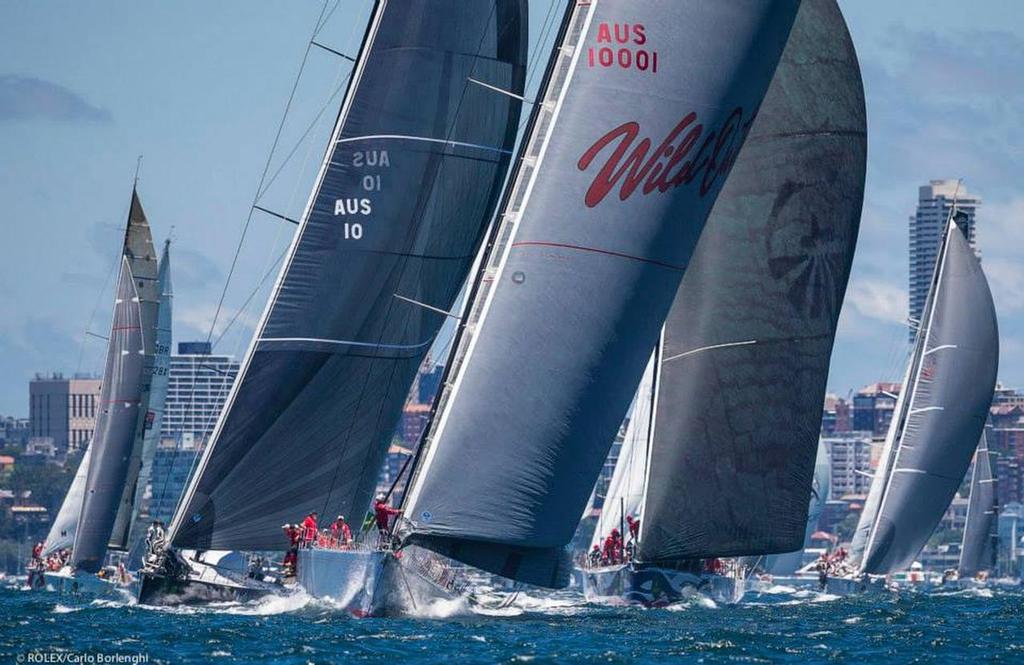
[978, 552]
[159, 378]
[400, 209]
[616, 203]
[790, 562]
[120, 396]
[62, 531]
[142, 259]
[750, 334]
[948, 404]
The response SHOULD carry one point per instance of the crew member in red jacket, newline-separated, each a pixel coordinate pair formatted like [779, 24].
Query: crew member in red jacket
[309, 529]
[382, 514]
[341, 534]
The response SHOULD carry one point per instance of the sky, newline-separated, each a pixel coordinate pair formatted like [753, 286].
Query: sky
[199, 90]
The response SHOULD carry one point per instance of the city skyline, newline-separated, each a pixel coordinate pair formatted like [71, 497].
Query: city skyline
[943, 85]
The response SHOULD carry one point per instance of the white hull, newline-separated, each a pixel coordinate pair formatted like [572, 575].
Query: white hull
[86, 586]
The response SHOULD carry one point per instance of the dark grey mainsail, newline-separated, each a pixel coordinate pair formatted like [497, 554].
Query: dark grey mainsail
[978, 551]
[142, 259]
[121, 396]
[952, 380]
[646, 108]
[411, 179]
[748, 341]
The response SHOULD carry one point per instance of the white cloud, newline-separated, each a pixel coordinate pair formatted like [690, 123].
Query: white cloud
[878, 300]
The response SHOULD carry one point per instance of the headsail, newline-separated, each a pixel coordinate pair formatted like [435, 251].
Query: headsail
[953, 374]
[790, 562]
[142, 259]
[749, 338]
[62, 531]
[410, 180]
[978, 552]
[159, 378]
[121, 397]
[626, 489]
[630, 146]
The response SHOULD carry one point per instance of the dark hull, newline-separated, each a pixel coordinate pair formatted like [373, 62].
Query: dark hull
[159, 590]
[653, 586]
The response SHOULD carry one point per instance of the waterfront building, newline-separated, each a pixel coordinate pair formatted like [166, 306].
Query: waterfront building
[851, 457]
[835, 416]
[172, 468]
[934, 202]
[63, 410]
[873, 407]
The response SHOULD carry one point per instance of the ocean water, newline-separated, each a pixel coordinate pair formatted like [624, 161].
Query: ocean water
[784, 626]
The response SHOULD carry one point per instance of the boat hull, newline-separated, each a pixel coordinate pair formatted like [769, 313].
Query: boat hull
[86, 586]
[372, 583]
[653, 586]
[198, 582]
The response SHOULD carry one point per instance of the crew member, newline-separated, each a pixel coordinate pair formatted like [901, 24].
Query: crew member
[382, 514]
[594, 556]
[341, 534]
[309, 529]
[294, 535]
[822, 567]
[634, 527]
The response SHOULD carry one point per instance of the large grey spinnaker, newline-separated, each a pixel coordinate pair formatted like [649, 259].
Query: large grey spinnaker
[142, 258]
[409, 183]
[62, 531]
[978, 551]
[953, 373]
[647, 107]
[749, 338]
[121, 396]
[790, 562]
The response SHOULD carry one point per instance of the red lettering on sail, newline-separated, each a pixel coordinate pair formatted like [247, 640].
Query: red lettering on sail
[665, 168]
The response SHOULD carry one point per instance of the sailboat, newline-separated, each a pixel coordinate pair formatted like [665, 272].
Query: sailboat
[598, 227]
[98, 512]
[740, 370]
[938, 419]
[978, 549]
[408, 184]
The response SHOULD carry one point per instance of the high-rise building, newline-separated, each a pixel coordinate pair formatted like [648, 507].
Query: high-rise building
[934, 202]
[835, 416]
[850, 454]
[63, 410]
[197, 387]
[172, 467]
[873, 407]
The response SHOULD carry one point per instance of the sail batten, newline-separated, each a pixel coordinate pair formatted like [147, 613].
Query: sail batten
[749, 337]
[599, 226]
[408, 184]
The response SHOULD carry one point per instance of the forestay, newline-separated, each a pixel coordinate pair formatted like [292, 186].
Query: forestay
[749, 337]
[409, 183]
[953, 380]
[648, 105]
[978, 552]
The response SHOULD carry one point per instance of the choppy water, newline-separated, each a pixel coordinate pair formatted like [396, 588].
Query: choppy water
[785, 626]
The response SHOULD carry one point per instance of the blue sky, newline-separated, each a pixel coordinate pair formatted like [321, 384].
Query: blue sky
[199, 88]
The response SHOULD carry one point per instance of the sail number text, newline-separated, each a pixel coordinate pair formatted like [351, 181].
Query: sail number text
[618, 45]
[360, 207]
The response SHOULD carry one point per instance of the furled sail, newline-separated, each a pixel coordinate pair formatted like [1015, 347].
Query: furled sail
[790, 562]
[626, 489]
[411, 178]
[62, 531]
[749, 337]
[953, 374]
[646, 107]
[159, 379]
[121, 396]
[142, 258]
[978, 552]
